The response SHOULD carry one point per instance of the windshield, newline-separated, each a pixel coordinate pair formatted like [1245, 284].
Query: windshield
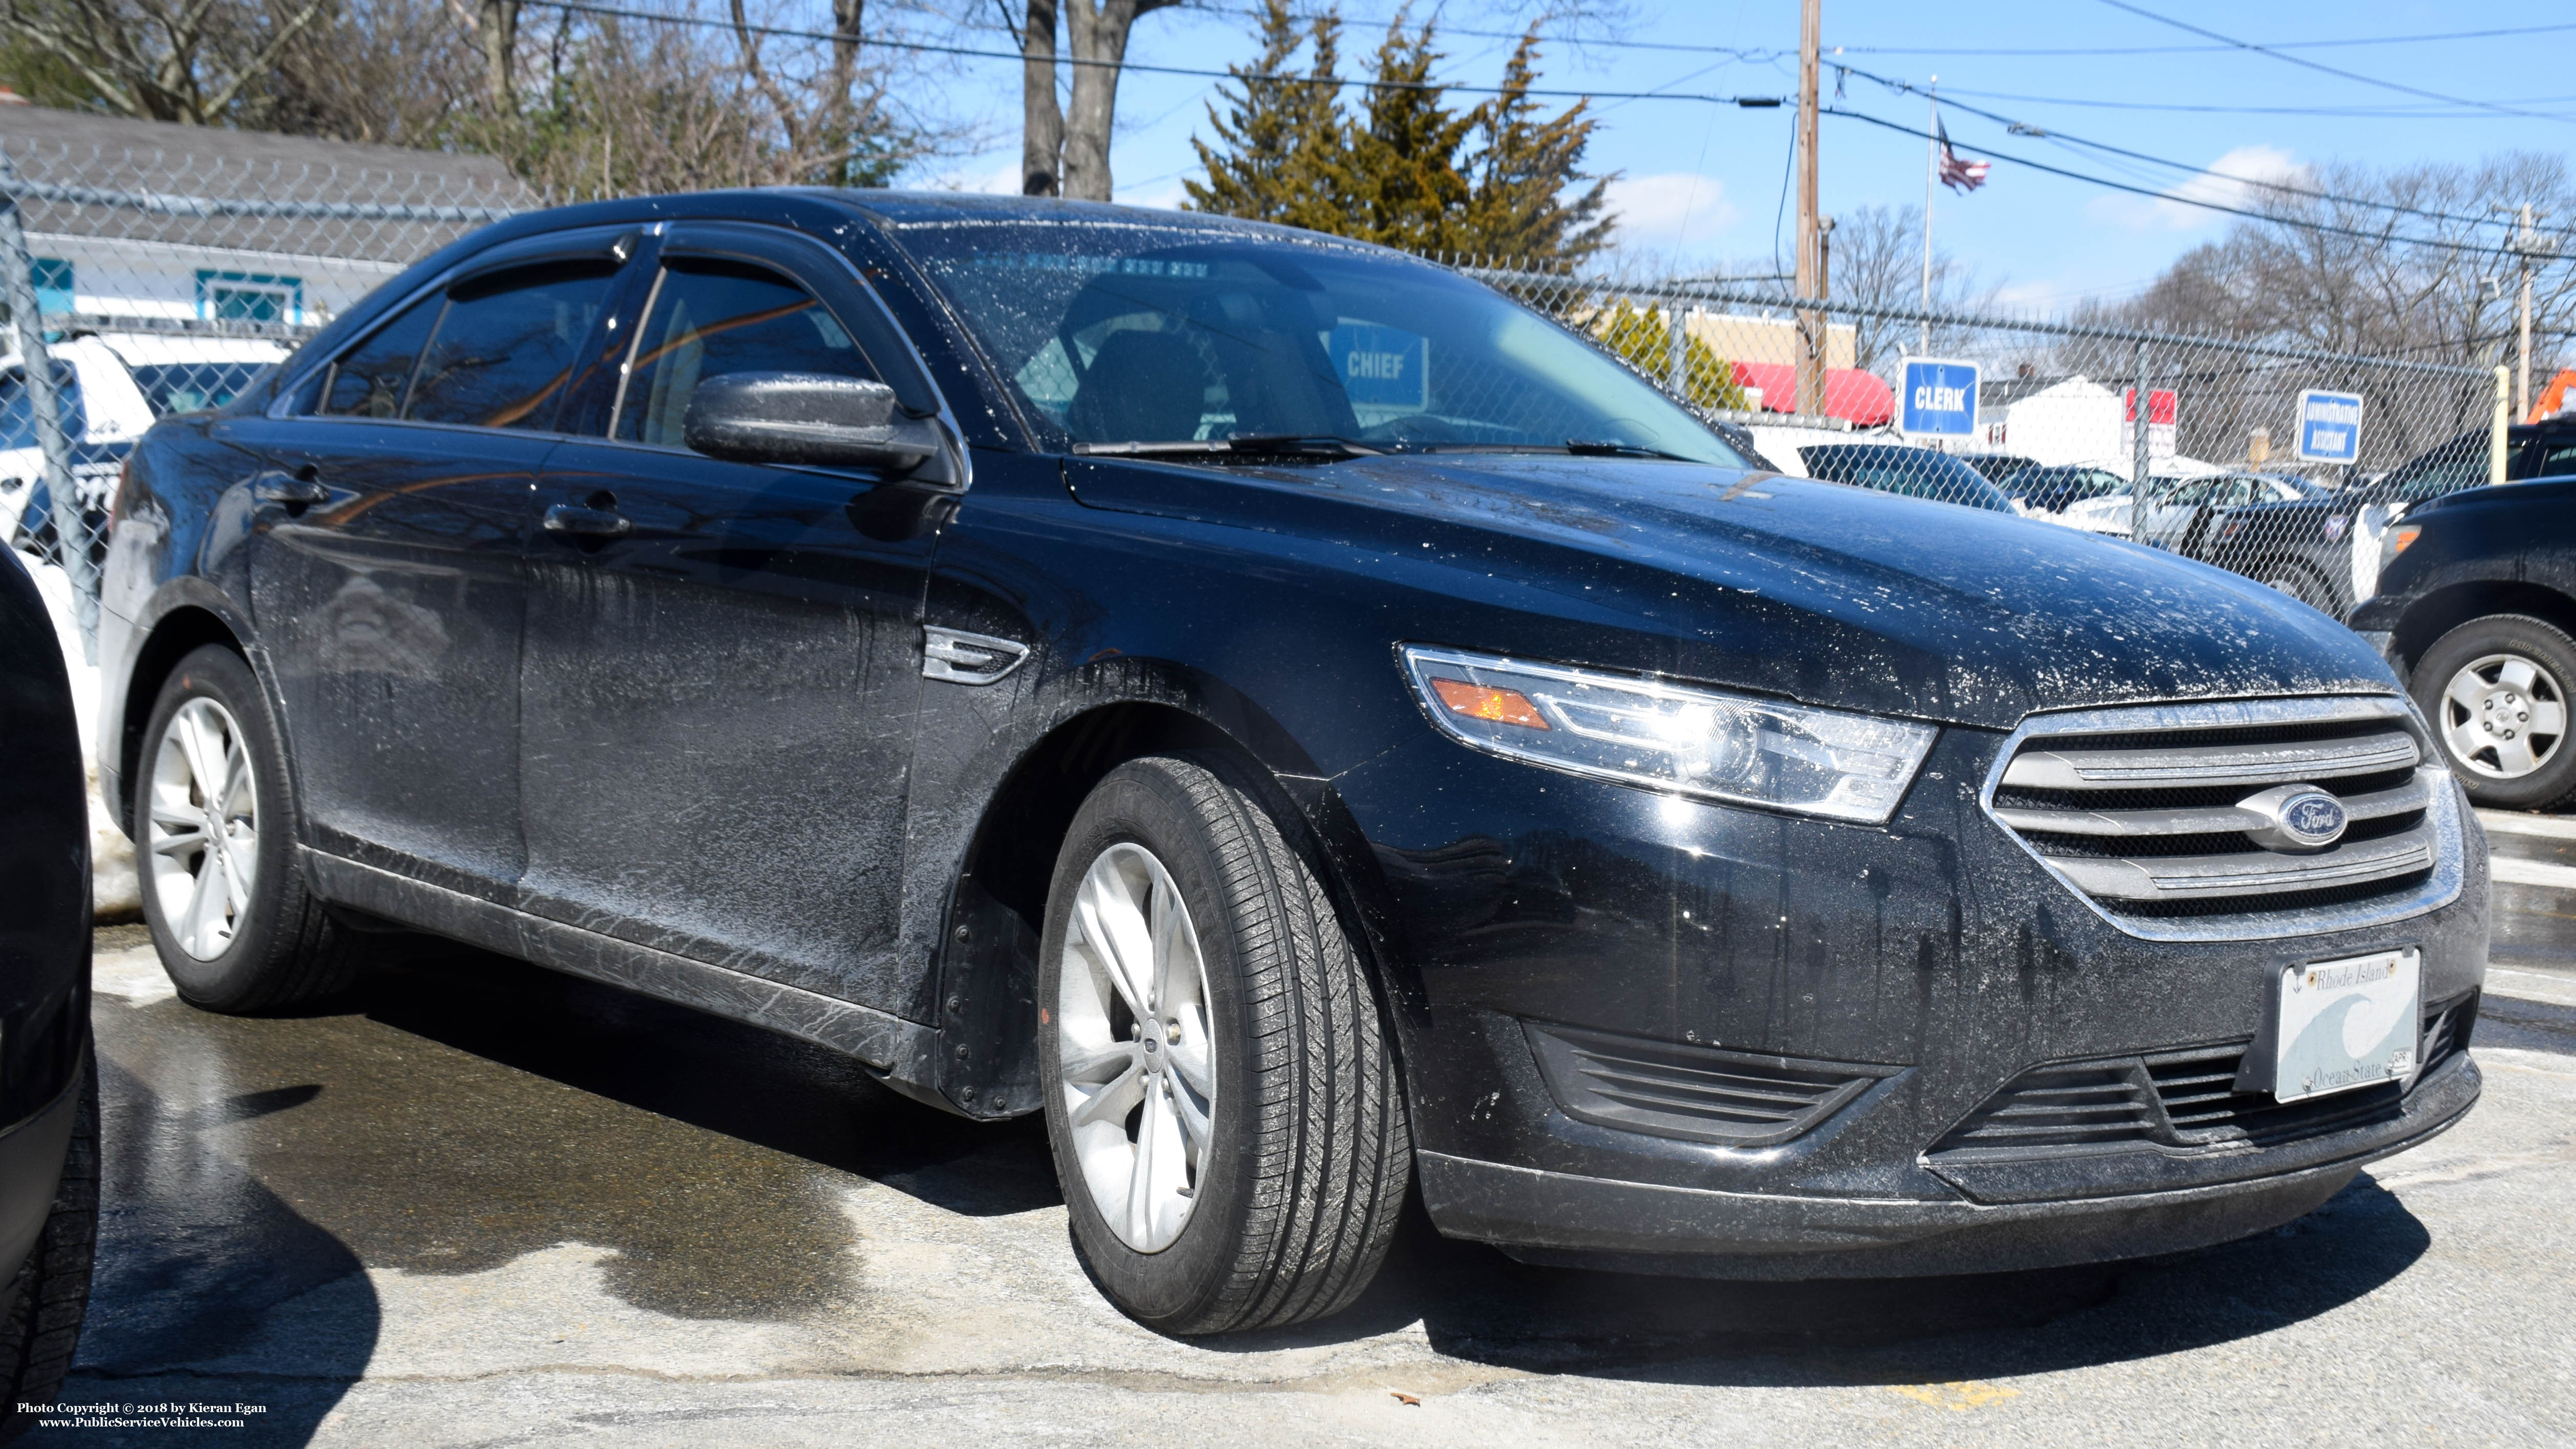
[187, 387]
[18, 410]
[1137, 334]
[2445, 468]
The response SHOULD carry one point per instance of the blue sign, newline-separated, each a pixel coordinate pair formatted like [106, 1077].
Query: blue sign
[1382, 367]
[2329, 427]
[1938, 399]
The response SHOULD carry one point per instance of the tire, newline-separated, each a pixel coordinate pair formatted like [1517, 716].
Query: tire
[2496, 692]
[273, 947]
[2296, 580]
[51, 1294]
[1304, 1151]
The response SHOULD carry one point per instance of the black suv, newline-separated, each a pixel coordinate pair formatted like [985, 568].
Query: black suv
[1303, 722]
[48, 1079]
[2477, 605]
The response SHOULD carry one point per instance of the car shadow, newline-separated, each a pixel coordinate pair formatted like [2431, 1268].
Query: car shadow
[756, 1086]
[1473, 1303]
[209, 1286]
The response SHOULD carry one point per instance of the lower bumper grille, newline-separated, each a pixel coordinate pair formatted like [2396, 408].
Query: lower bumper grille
[1703, 1094]
[2177, 1099]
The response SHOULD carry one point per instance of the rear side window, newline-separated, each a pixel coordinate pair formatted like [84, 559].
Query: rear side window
[711, 318]
[368, 381]
[507, 344]
[18, 412]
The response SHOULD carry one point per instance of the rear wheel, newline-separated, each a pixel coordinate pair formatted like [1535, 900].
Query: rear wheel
[1223, 1102]
[222, 889]
[2296, 580]
[2495, 690]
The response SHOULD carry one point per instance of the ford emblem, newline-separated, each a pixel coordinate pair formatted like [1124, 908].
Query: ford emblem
[2296, 818]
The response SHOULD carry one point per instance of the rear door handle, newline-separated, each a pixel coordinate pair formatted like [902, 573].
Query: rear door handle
[573, 521]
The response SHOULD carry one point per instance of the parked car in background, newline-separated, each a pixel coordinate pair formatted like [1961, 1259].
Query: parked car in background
[110, 386]
[2057, 488]
[48, 1075]
[1997, 467]
[2324, 547]
[2477, 608]
[1881, 461]
[1352, 737]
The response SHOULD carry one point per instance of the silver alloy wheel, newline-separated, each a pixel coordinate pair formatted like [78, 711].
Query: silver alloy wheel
[2504, 716]
[202, 832]
[1137, 1064]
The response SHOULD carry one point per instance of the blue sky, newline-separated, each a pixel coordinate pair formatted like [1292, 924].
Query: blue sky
[1703, 182]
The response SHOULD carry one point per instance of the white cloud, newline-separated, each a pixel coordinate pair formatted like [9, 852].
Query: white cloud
[1670, 212]
[2235, 179]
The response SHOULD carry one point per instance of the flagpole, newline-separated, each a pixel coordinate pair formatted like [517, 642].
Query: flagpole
[1931, 173]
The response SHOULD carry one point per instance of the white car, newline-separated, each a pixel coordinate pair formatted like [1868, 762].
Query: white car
[111, 386]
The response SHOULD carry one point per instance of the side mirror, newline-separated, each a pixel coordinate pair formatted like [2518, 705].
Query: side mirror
[812, 419]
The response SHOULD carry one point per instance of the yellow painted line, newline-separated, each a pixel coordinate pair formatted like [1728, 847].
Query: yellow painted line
[1958, 1396]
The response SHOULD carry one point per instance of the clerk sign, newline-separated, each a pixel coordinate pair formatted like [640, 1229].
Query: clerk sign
[1938, 399]
[2329, 427]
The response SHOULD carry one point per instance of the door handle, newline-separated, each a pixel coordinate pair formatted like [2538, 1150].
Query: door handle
[573, 521]
[298, 493]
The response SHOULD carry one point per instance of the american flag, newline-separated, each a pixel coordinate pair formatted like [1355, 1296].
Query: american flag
[1956, 174]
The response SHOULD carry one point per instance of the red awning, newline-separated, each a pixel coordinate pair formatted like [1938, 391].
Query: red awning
[1861, 398]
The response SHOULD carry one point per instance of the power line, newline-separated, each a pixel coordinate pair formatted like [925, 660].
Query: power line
[580, 7]
[2517, 33]
[2277, 54]
[2393, 113]
[2167, 195]
[2283, 187]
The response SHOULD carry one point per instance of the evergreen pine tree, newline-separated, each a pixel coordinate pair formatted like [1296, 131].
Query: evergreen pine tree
[1519, 210]
[1280, 153]
[1408, 190]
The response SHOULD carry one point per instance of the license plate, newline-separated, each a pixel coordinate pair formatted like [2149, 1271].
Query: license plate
[2349, 1023]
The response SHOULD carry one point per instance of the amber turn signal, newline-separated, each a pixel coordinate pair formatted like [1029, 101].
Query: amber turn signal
[2401, 537]
[1475, 701]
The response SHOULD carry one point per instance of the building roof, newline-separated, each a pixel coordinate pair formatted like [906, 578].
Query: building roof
[173, 162]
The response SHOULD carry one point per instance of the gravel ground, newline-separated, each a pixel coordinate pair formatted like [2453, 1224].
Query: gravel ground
[485, 1205]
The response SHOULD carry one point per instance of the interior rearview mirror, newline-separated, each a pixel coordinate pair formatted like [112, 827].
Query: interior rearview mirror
[813, 419]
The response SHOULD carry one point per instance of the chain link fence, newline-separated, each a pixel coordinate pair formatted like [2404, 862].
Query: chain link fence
[2052, 431]
[162, 283]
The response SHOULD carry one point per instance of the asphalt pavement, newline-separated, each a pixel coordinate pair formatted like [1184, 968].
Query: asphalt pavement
[482, 1204]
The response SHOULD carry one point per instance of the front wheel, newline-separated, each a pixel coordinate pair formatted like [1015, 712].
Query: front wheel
[2495, 690]
[1223, 1103]
[2296, 580]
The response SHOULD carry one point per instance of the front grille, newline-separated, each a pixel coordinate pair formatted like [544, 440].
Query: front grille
[2177, 1099]
[2159, 816]
[1704, 1094]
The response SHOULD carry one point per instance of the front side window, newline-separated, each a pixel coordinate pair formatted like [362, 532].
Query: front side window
[1125, 333]
[712, 318]
[506, 345]
[368, 381]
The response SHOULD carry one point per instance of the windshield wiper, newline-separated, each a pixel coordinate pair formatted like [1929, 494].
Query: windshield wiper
[1257, 445]
[1588, 448]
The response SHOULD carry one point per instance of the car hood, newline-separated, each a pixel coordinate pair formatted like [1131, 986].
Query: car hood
[1829, 594]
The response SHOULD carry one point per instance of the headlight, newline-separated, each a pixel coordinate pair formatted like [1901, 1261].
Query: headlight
[1672, 738]
[2397, 540]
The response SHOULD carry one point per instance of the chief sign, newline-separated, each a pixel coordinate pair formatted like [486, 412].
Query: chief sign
[1938, 399]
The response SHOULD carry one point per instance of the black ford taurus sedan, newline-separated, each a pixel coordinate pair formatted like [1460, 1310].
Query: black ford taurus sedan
[1303, 722]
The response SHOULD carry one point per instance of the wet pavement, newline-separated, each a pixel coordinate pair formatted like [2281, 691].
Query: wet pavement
[482, 1204]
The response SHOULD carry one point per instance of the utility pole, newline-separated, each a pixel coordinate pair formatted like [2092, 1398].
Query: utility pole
[2528, 247]
[1811, 324]
[1931, 174]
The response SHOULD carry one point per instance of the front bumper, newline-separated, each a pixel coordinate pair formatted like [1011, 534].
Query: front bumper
[1571, 1220]
[1931, 963]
